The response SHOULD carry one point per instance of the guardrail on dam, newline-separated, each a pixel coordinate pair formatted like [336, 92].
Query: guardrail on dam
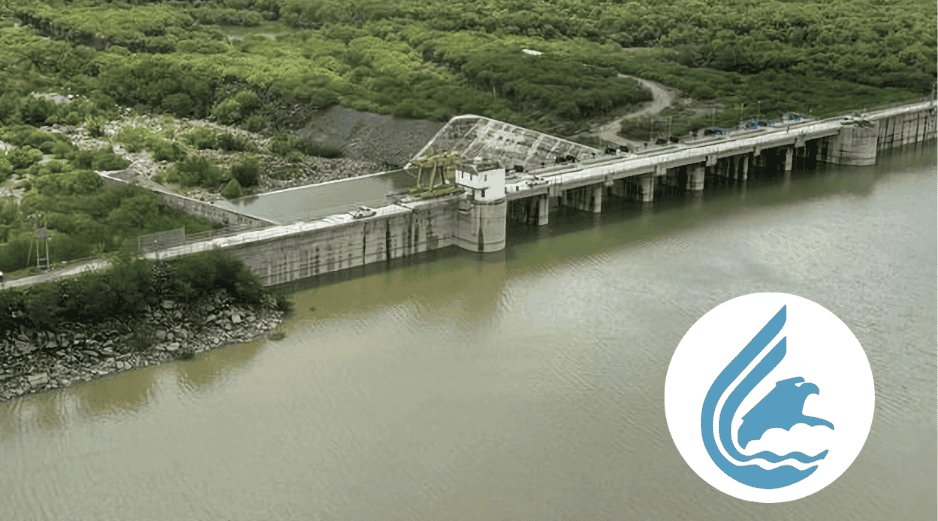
[476, 219]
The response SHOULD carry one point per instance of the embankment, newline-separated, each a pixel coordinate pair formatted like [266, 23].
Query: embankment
[33, 360]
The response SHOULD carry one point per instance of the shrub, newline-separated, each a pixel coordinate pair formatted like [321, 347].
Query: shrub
[63, 150]
[232, 143]
[227, 112]
[198, 274]
[247, 100]
[24, 157]
[246, 173]
[167, 151]
[6, 168]
[106, 160]
[255, 123]
[195, 171]
[103, 160]
[134, 139]
[322, 151]
[96, 127]
[232, 190]
[294, 157]
[283, 144]
[202, 138]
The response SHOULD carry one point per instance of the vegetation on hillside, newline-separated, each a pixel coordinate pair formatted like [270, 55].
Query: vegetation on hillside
[427, 59]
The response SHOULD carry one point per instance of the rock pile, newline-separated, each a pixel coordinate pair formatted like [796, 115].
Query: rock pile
[34, 361]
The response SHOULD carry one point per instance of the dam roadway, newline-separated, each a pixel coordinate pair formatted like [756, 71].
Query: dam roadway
[855, 141]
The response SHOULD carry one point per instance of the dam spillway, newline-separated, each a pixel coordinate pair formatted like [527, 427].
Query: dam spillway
[476, 219]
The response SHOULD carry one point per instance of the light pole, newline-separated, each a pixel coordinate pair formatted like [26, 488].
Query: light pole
[759, 109]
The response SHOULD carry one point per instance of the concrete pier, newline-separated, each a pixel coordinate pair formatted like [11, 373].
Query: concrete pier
[586, 199]
[695, 178]
[647, 188]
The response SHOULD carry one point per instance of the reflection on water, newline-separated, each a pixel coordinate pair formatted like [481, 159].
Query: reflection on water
[523, 385]
[207, 370]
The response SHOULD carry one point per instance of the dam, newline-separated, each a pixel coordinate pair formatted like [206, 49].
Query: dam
[496, 189]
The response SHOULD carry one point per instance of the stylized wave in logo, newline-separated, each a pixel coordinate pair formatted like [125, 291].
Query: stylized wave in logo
[780, 408]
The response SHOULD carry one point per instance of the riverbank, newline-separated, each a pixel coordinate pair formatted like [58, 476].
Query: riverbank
[34, 361]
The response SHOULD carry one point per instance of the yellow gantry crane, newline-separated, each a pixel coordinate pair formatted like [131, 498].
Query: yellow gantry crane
[445, 162]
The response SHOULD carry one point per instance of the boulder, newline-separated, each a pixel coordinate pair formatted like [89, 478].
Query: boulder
[173, 346]
[160, 335]
[168, 304]
[25, 348]
[236, 318]
[38, 380]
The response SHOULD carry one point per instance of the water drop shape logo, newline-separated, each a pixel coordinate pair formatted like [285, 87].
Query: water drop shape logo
[744, 404]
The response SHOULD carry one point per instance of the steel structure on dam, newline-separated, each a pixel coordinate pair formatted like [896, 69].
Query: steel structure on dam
[475, 219]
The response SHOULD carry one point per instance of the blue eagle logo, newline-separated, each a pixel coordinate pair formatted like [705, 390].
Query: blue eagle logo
[782, 408]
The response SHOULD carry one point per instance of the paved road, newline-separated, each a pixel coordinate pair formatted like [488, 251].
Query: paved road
[56, 274]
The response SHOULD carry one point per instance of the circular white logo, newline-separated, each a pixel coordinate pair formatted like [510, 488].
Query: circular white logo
[769, 397]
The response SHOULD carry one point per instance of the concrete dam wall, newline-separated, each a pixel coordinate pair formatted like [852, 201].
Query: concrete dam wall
[476, 219]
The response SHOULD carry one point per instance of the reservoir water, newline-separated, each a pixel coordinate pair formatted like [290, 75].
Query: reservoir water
[524, 385]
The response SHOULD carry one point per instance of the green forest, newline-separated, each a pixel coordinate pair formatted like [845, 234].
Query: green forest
[237, 61]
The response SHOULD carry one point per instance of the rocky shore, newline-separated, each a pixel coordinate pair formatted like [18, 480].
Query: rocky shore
[35, 361]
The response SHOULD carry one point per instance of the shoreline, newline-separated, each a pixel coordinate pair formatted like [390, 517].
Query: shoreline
[35, 361]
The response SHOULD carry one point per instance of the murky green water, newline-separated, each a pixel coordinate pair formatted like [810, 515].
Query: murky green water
[528, 385]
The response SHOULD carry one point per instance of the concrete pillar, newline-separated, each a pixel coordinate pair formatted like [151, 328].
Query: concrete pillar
[598, 198]
[482, 227]
[745, 173]
[695, 179]
[648, 188]
[543, 210]
[853, 146]
[788, 158]
[735, 168]
[619, 188]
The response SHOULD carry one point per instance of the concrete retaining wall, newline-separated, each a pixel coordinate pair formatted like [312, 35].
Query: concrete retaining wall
[397, 231]
[191, 206]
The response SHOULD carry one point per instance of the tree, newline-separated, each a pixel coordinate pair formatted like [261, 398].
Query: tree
[246, 173]
[232, 190]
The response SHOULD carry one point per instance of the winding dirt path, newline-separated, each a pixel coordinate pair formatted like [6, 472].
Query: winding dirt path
[662, 98]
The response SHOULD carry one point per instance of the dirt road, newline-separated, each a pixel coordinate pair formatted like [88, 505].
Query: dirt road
[662, 99]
